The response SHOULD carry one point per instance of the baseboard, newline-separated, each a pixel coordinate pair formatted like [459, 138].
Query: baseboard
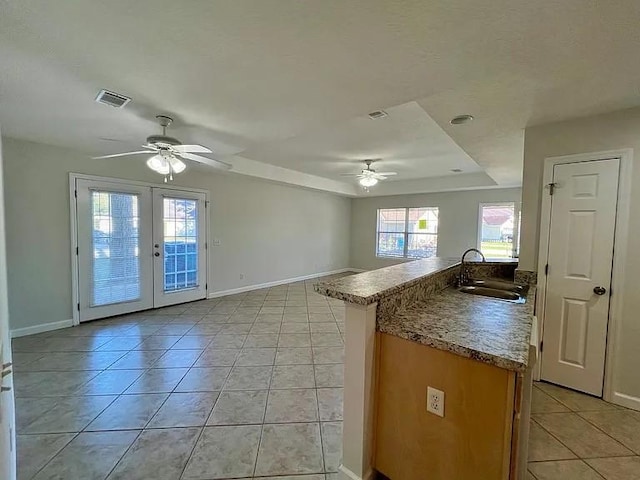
[346, 474]
[248, 288]
[43, 327]
[627, 401]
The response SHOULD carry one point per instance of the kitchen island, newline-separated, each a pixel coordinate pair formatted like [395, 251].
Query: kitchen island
[408, 328]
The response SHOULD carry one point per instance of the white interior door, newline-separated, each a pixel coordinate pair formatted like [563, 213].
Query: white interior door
[583, 213]
[7, 408]
[115, 263]
[180, 257]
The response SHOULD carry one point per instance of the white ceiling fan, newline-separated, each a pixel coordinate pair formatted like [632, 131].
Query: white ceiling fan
[368, 177]
[166, 151]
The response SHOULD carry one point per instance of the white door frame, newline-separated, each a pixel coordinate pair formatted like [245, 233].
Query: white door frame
[619, 254]
[75, 288]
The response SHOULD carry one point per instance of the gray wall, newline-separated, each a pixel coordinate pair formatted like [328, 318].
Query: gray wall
[457, 223]
[268, 231]
[611, 131]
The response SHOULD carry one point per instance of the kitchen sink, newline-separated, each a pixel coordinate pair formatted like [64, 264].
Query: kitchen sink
[498, 285]
[501, 293]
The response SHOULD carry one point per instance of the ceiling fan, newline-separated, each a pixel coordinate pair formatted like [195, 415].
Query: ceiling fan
[368, 176]
[166, 151]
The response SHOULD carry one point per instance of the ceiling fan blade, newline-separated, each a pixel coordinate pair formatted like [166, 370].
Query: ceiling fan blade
[207, 161]
[387, 174]
[122, 154]
[350, 174]
[191, 149]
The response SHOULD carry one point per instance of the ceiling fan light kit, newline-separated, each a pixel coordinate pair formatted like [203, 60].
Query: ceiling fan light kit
[368, 177]
[368, 181]
[167, 151]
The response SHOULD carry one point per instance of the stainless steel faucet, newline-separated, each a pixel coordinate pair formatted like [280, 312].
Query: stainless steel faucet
[463, 278]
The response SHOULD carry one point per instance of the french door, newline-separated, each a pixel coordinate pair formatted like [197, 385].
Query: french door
[180, 260]
[138, 247]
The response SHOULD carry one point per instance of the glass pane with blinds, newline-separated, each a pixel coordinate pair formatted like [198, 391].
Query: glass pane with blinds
[392, 220]
[390, 244]
[180, 227]
[497, 234]
[115, 242]
[407, 232]
[422, 237]
[423, 220]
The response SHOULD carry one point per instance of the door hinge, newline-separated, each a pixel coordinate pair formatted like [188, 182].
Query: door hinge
[78, 307]
[77, 251]
[552, 187]
[541, 346]
[546, 269]
[75, 193]
[206, 245]
[206, 286]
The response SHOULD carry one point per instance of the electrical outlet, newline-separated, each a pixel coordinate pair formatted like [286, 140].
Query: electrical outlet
[435, 401]
[242, 276]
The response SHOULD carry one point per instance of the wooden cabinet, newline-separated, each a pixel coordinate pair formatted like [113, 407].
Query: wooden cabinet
[479, 430]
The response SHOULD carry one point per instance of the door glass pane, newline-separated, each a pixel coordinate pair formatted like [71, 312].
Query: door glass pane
[115, 246]
[180, 218]
[497, 231]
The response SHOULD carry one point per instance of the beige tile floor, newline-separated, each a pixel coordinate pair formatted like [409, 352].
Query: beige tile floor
[578, 437]
[246, 386]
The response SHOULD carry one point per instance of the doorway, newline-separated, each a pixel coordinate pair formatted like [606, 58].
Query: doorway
[580, 215]
[138, 246]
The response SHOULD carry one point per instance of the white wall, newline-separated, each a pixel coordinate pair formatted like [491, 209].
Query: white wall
[268, 231]
[612, 131]
[457, 223]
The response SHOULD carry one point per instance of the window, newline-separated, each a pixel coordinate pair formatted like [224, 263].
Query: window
[499, 230]
[407, 232]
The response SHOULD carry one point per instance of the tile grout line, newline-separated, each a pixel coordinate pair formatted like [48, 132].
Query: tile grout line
[266, 403]
[577, 413]
[578, 457]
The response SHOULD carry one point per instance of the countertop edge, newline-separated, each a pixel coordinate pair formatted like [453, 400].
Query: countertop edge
[466, 352]
[329, 290]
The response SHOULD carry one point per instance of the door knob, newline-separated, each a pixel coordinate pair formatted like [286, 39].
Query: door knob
[599, 290]
[157, 254]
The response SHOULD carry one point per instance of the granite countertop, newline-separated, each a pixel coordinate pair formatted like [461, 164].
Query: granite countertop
[369, 287]
[486, 329]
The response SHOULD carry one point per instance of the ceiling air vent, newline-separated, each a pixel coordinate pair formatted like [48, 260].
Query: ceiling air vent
[112, 99]
[377, 114]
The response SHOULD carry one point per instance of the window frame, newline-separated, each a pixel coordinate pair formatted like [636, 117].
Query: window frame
[515, 249]
[405, 232]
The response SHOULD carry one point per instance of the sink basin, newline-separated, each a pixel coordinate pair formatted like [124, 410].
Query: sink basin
[498, 285]
[493, 292]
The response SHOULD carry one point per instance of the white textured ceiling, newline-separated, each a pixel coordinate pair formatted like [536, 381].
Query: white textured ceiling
[287, 84]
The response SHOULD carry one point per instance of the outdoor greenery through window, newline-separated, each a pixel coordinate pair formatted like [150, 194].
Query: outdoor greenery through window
[499, 230]
[407, 232]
